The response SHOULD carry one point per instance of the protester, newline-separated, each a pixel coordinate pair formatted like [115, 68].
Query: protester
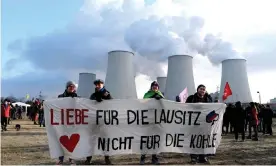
[70, 91]
[35, 110]
[253, 122]
[247, 120]
[99, 95]
[199, 97]
[13, 112]
[10, 112]
[226, 119]
[19, 112]
[5, 114]
[41, 115]
[259, 108]
[239, 121]
[267, 115]
[154, 92]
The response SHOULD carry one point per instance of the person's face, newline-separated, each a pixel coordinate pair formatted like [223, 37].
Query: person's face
[71, 88]
[99, 86]
[201, 91]
[6, 102]
[155, 87]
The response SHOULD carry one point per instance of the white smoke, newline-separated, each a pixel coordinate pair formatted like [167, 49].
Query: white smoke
[153, 32]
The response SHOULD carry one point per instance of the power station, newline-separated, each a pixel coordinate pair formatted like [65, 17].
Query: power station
[180, 75]
[120, 76]
[86, 84]
[234, 71]
[162, 83]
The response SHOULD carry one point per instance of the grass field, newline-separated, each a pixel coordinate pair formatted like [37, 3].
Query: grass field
[29, 146]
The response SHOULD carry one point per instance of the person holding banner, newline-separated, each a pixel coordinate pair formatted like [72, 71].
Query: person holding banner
[201, 96]
[99, 95]
[70, 91]
[152, 93]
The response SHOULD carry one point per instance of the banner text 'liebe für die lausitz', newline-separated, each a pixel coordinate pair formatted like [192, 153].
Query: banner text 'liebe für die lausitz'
[79, 127]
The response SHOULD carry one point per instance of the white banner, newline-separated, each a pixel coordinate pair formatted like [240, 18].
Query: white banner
[79, 127]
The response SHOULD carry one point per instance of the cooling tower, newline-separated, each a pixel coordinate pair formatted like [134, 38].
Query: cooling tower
[162, 83]
[180, 75]
[120, 78]
[235, 73]
[86, 84]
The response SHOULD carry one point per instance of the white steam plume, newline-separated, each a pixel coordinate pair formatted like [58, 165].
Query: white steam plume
[153, 32]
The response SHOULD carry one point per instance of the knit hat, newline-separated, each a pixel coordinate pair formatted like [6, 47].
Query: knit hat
[199, 86]
[69, 83]
[154, 83]
[98, 81]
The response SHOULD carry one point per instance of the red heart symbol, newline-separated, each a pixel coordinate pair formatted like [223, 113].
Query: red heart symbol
[70, 143]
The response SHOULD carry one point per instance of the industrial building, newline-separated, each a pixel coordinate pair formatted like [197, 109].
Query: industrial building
[273, 100]
[180, 76]
[162, 83]
[86, 84]
[120, 76]
[234, 71]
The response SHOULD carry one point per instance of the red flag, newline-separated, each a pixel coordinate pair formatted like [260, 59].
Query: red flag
[227, 91]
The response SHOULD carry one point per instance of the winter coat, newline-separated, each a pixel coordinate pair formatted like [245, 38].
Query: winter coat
[100, 95]
[267, 115]
[254, 116]
[66, 94]
[239, 116]
[5, 110]
[153, 94]
[196, 99]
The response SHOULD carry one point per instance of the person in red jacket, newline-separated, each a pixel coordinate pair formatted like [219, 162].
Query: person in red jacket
[253, 123]
[5, 114]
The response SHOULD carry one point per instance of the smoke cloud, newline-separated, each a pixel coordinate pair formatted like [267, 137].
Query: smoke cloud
[105, 25]
[153, 32]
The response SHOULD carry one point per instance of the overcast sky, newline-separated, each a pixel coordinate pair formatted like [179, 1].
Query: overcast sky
[46, 43]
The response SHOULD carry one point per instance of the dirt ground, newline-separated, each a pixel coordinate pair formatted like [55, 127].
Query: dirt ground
[29, 146]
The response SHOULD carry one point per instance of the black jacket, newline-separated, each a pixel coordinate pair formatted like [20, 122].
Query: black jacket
[239, 116]
[196, 99]
[103, 94]
[66, 94]
[267, 115]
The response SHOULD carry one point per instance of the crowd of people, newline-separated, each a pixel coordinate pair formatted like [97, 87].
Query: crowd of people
[237, 119]
[9, 113]
[36, 113]
[240, 118]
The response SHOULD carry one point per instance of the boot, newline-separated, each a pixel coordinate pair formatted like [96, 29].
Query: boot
[154, 160]
[88, 160]
[107, 160]
[142, 159]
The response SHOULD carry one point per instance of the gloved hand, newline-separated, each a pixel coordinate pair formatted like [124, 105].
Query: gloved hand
[157, 97]
[99, 99]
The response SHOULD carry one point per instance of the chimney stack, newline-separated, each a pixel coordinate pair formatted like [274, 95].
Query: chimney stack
[162, 83]
[86, 84]
[234, 71]
[180, 75]
[120, 76]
